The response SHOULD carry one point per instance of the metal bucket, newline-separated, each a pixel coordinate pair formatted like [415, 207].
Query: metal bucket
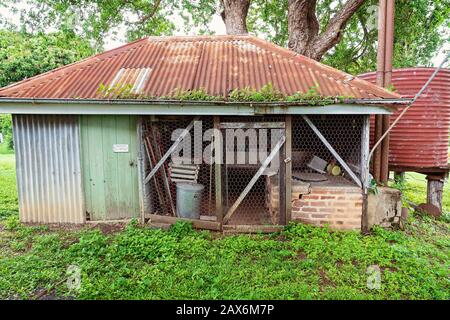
[189, 196]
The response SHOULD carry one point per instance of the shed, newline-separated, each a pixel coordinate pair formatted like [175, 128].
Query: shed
[85, 155]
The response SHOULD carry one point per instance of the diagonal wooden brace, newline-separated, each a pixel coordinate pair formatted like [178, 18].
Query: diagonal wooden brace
[255, 178]
[333, 152]
[171, 149]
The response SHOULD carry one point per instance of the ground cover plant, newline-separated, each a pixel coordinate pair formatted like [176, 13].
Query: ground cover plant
[136, 262]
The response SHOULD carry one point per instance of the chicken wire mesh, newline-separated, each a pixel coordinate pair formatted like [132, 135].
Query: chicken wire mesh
[255, 209]
[261, 205]
[158, 135]
[310, 155]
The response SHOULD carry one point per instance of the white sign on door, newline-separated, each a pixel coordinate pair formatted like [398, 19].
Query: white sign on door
[120, 148]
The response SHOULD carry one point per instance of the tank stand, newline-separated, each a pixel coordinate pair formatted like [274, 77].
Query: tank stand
[435, 189]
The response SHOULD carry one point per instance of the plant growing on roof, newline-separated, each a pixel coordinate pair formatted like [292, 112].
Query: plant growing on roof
[117, 91]
[267, 93]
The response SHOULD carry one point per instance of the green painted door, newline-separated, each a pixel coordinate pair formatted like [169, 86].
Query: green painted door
[109, 151]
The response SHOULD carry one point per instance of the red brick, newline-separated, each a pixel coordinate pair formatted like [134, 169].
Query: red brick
[309, 209]
[327, 197]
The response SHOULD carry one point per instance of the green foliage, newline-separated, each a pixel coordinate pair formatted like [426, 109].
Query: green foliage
[6, 130]
[23, 55]
[8, 192]
[192, 95]
[420, 31]
[117, 91]
[267, 93]
[301, 262]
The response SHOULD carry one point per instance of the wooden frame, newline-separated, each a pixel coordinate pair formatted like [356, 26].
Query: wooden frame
[252, 182]
[218, 148]
[288, 168]
[171, 149]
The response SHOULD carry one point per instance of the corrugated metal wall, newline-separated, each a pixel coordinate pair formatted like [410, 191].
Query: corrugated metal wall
[48, 168]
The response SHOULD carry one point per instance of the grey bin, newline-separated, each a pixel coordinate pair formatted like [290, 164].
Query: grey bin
[189, 196]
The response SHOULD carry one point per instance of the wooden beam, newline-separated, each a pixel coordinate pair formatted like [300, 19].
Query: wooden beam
[140, 165]
[365, 175]
[333, 152]
[171, 149]
[255, 178]
[282, 185]
[251, 229]
[435, 190]
[288, 147]
[198, 224]
[252, 125]
[218, 150]
[365, 150]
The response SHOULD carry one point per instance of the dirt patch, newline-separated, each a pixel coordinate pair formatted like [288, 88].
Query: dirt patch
[324, 280]
[109, 228]
[301, 255]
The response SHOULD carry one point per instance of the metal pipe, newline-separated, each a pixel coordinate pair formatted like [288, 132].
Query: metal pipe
[381, 65]
[387, 79]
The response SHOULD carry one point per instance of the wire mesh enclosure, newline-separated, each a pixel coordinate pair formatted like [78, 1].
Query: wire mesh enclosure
[310, 155]
[245, 185]
[189, 163]
[258, 138]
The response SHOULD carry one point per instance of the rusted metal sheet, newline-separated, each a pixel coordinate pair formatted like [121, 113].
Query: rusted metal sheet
[48, 168]
[217, 64]
[421, 138]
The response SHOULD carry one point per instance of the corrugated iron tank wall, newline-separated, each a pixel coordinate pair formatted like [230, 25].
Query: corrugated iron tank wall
[48, 168]
[421, 138]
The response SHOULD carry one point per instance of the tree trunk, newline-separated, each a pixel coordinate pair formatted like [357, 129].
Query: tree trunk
[304, 36]
[234, 15]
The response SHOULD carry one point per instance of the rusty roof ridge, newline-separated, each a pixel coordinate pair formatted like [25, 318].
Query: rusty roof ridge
[203, 102]
[95, 59]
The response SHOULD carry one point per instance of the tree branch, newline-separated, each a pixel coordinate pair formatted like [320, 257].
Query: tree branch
[333, 33]
[151, 13]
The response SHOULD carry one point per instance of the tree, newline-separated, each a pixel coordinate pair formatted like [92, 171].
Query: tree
[421, 28]
[23, 55]
[304, 28]
[234, 15]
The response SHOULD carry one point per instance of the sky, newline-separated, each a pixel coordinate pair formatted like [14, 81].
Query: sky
[217, 26]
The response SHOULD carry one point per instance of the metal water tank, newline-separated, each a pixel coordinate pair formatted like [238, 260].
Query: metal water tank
[421, 138]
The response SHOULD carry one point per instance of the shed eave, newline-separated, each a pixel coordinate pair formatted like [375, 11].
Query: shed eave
[136, 107]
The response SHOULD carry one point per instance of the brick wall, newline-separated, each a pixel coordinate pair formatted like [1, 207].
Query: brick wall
[340, 207]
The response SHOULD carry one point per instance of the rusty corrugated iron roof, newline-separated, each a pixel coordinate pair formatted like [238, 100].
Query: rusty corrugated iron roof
[160, 65]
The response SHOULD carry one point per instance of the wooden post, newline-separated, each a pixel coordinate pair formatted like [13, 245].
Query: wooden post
[288, 148]
[141, 170]
[435, 188]
[218, 150]
[365, 176]
[282, 185]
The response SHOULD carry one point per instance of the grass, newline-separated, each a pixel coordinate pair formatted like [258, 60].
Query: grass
[8, 192]
[302, 262]
[416, 190]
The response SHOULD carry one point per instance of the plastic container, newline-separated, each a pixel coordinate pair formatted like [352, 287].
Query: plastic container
[189, 197]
